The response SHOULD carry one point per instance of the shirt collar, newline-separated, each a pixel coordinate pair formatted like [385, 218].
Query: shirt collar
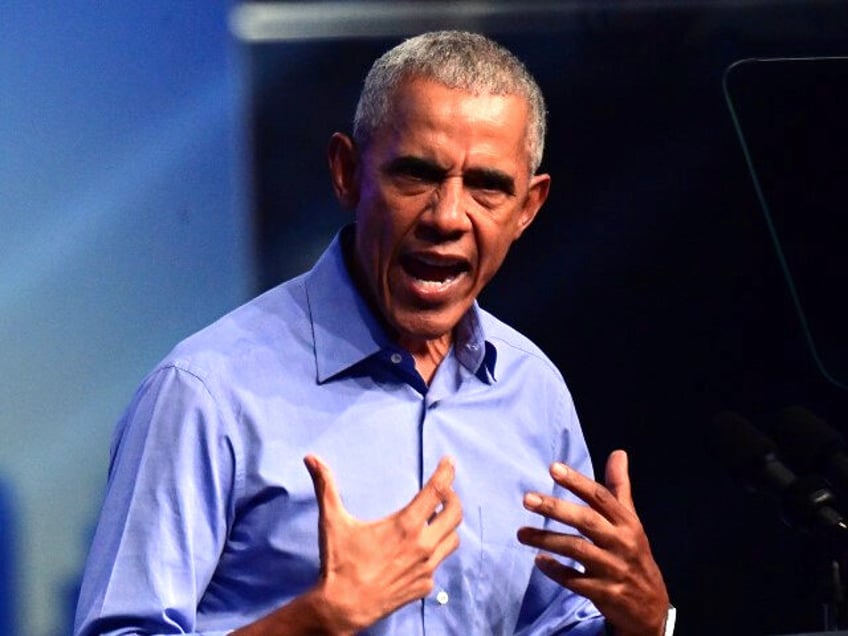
[473, 351]
[346, 331]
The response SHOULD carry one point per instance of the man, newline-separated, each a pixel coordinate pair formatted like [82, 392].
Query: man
[446, 486]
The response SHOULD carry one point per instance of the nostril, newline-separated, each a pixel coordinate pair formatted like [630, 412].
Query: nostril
[438, 233]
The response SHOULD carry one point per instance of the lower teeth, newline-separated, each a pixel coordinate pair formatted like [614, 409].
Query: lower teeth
[435, 283]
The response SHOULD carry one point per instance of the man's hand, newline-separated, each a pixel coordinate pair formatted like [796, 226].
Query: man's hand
[621, 577]
[370, 569]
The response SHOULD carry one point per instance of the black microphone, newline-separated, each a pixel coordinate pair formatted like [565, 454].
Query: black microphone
[806, 503]
[809, 444]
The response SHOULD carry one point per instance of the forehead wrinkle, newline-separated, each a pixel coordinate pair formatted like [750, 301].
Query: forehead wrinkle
[421, 125]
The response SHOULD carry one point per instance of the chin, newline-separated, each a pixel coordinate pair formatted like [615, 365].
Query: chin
[422, 325]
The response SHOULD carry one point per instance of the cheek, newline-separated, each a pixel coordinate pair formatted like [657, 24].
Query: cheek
[492, 250]
[376, 241]
[380, 209]
[494, 236]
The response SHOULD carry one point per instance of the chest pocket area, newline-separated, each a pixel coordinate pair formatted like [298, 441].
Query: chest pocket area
[505, 565]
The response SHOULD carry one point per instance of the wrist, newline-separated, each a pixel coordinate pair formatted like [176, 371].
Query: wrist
[331, 617]
[310, 614]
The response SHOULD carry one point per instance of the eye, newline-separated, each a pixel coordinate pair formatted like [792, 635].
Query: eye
[489, 188]
[413, 171]
[490, 199]
[424, 173]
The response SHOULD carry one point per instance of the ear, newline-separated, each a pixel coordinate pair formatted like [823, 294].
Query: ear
[537, 193]
[343, 161]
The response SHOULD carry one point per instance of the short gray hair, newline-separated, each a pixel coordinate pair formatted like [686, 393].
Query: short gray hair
[457, 59]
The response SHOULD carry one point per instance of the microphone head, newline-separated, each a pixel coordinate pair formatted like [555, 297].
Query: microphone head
[806, 502]
[805, 440]
[740, 446]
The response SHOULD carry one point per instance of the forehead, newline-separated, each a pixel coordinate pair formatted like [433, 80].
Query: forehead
[430, 117]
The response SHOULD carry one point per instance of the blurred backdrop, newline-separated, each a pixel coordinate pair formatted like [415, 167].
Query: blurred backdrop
[123, 227]
[160, 164]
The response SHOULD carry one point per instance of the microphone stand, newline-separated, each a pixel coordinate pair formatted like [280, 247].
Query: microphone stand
[829, 535]
[833, 607]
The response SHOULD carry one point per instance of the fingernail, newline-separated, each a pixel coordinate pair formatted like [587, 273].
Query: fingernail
[532, 500]
[559, 470]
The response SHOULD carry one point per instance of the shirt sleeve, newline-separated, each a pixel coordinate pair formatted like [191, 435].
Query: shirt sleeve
[165, 515]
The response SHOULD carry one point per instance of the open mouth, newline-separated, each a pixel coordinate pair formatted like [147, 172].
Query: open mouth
[433, 272]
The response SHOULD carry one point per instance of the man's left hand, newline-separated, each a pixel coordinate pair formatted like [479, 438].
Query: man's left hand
[621, 577]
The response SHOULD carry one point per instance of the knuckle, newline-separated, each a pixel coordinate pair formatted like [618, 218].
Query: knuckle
[444, 491]
[588, 520]
[601, 495]
[580, 548]
[547, 506]
[427, 586]
[423, 548]
[406, 527]
[630, 543]
[635, 543]
[618, 588]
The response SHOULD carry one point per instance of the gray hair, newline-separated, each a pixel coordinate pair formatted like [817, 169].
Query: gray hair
[466, 61]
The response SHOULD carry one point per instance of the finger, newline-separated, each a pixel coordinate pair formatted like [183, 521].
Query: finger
[448, 544]
[433, 495]
[607, 595]
[594, 494]
[572, 578]
[329, 500]
[577, 548]
[617, 478]
[559, 572]
[446, 520]
[582, 518]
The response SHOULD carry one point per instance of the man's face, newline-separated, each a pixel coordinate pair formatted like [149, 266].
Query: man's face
[440, 193]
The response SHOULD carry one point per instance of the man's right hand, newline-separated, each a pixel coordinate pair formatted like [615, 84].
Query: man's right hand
[370, 569]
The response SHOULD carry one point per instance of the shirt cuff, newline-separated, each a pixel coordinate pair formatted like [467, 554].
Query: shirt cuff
[668, 630]
[670, 619]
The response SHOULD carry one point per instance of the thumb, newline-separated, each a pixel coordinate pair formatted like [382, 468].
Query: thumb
[329, 500]
[617, 478]
[329, 505]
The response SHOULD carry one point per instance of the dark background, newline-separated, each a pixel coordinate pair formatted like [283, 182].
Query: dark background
[650, 277]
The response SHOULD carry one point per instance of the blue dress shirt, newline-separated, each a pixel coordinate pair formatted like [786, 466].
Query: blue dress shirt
[210, 520]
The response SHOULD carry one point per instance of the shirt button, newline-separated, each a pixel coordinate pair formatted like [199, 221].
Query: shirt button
[442, 597]
[396, 358]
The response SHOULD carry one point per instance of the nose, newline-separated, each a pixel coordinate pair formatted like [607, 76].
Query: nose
[447, 215]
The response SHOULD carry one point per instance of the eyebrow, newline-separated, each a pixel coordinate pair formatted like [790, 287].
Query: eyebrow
[487, 178]
[411, 165]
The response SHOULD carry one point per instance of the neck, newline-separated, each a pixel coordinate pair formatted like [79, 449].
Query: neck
[428, 354]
